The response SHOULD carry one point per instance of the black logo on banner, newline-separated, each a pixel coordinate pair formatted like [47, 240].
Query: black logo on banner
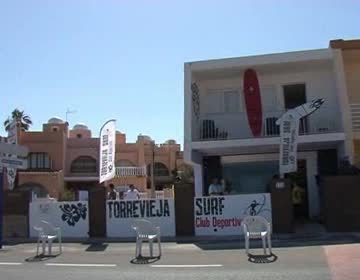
[72, 213]
[255, 207]
[138, 208]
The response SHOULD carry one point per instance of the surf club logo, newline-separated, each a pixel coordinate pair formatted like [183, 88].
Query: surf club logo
[255, 208]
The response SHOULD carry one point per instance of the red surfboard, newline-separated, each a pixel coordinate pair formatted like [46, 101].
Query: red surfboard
[253, 101]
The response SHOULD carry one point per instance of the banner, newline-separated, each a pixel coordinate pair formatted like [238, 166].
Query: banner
[71, 216]
[121, 215]
[289, 131]
[222, 215]
[107, 151]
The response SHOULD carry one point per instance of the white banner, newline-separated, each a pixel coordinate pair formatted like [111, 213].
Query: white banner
[107, 151]
[71, 216]
[222, 215]
[121, 214]
[289, 131]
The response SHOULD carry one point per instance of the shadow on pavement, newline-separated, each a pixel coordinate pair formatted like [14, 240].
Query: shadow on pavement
[97, 247]
[262, 258]
[144, 260]
[239, 244]
[41, 258]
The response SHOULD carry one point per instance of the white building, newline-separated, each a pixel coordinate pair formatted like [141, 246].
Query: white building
[218, 140]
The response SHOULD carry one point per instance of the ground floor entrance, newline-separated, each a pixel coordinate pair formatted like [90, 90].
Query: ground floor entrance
[249, 174]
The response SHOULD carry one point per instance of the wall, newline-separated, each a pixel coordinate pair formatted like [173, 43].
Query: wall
[121, 214]
[53, 182]
[81, 147]
[351, 60]
[319, 84]
[222, 215]
[48, 141]
[71, 217]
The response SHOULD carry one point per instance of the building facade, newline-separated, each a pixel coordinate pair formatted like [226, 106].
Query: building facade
[63, 160]
[349, 53]
[219, 142]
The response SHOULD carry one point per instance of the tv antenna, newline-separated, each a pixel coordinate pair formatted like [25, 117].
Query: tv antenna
[68, 111]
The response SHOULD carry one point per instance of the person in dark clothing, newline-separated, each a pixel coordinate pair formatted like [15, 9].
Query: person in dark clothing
[112, 194]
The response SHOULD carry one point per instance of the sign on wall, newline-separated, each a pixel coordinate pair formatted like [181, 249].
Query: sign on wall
[121, 214]
[72, 217]
[222, 215]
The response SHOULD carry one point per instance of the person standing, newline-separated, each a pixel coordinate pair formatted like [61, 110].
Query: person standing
[112, 194]
[132, 193]
[215, 188]
[298, 194]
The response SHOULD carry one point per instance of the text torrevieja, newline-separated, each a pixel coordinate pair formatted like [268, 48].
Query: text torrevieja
[138, 208]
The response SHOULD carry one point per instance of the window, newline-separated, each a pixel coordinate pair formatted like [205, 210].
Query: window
[294, 95]
[214, 102]
[39, 161]
[160, 169]
[223, 101]
[231, 101]
[79, 136]
[269, 99]
[83, 164]
[55, 129]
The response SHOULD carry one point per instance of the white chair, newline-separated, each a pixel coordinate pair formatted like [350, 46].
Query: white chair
[256, 227]
[47, 233]
[146, 231]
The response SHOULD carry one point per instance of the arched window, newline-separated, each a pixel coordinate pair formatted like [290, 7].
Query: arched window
[39, 161]
[38, 189]
[160, 169]
[123, 163]
[83, 164]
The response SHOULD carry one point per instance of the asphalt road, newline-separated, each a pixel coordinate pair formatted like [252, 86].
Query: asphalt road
[180, 261]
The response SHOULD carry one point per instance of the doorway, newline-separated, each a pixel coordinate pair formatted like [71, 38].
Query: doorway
[294, 96]
[301, 202]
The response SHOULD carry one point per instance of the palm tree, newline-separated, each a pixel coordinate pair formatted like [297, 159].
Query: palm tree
[20, 116]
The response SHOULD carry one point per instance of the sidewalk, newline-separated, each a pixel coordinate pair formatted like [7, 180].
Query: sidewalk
[278, 240]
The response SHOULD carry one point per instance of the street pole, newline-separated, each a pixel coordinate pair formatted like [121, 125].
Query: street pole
[1, 205]
[152, 190]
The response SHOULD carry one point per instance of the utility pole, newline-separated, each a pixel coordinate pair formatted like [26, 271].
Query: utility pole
[152, 190]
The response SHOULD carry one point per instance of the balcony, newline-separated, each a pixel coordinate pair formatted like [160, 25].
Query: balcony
[214, 127]
[131, 171]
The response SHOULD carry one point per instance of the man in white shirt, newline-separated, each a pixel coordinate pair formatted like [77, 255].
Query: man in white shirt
[215, 188]
[132, 193]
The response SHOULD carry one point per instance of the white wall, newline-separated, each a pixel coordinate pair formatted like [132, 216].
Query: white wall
[222, 215]
[72, 217]
[121, 214]
[320, 83]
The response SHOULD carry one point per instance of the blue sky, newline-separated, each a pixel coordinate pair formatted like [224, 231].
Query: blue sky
[124, 59]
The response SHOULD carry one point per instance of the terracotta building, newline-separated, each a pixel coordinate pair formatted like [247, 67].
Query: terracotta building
[62, 159]
[349, 54]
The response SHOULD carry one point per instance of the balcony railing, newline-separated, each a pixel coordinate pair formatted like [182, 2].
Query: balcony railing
[131, 171]
[226, 127]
